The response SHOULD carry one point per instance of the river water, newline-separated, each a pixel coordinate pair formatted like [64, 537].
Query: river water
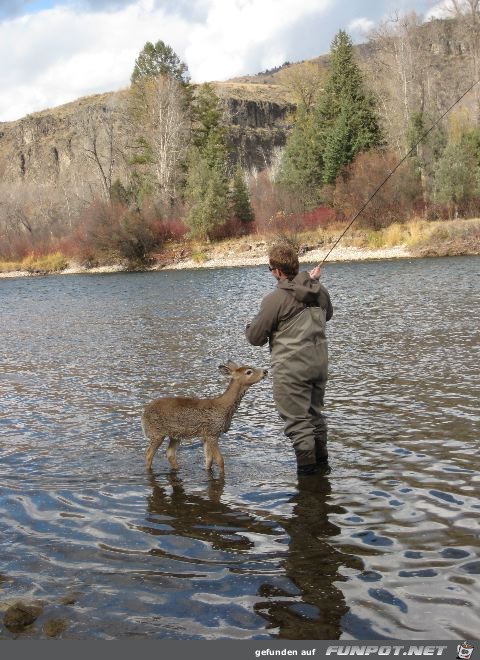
[383, 547]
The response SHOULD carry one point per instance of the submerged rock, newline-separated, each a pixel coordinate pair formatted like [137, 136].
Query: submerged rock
[70, 598]
[54, 627]
[20, 615]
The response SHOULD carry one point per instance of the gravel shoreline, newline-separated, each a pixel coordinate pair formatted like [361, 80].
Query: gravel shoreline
[249, 258]
[312, 256]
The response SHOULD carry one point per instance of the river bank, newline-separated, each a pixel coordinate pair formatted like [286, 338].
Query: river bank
[257, 257]
[251, 256]
[398, 241]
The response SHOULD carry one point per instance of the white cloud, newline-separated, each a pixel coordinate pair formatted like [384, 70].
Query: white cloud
[439, 10]
[241, 36]
[59, 54]
[360, 26]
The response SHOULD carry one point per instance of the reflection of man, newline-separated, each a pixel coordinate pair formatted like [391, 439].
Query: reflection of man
[316, 609]
[292, 319]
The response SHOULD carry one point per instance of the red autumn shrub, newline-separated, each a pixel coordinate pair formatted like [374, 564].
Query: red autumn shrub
[394, 202]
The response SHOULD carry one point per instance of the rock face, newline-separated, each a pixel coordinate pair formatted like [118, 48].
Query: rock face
[49, 147]
[54, 146]
[257, 128]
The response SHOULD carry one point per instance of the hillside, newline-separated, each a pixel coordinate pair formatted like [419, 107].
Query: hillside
[89, 179]
[48, 146]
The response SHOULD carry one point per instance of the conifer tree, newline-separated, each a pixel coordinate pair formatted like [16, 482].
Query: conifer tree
[206, 190]
[301, 166]
[240, 199]
[471, 141]
[159, 59]
[206, 196]
[337, 150]
[341, 124]
[345, 114]
[209, 134]
[456, 177]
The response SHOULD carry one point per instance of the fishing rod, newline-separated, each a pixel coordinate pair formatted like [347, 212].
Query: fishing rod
[423, 136]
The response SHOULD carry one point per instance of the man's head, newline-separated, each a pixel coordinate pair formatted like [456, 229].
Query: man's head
[283, 257]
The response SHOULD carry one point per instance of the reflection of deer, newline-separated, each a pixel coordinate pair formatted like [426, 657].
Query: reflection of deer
[184, 418]
[202, 515]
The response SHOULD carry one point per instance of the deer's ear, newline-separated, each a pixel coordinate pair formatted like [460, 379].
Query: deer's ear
[224, 370]
[232, 365]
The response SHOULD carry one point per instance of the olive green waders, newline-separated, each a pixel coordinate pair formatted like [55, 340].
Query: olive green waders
[300, 363]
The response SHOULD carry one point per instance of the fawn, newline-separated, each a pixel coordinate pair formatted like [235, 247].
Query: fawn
[184, 418]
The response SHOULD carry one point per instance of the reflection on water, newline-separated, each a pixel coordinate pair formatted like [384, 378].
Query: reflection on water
[304, 603]
[312, 565]
[385, 546]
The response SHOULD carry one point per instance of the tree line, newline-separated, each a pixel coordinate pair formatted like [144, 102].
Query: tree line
[170, 171]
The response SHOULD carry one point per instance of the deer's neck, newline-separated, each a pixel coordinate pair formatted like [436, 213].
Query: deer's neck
[230, 400]
[233, 395]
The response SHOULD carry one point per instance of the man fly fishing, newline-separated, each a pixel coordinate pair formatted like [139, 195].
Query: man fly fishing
[292, 318]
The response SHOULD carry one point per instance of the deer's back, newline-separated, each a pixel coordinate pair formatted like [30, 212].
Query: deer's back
[184, 417]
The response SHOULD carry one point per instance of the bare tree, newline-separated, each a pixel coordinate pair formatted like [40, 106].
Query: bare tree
[101, 130]
[467, 15]
[30, 218]
[399, 74]
[161, 119]
[406, 85]
[304, 81]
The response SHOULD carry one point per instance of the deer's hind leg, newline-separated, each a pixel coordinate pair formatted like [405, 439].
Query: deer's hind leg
[172, 453]
[155, 443]
[212, 453]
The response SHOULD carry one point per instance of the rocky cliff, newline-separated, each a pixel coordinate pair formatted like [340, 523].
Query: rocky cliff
[55, 146]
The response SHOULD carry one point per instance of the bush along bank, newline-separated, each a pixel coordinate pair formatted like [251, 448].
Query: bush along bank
[417, 238]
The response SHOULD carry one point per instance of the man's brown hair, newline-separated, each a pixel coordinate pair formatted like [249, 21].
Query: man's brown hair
[284, 257]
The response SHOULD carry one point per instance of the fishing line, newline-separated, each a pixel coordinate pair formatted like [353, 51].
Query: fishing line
[424, 135]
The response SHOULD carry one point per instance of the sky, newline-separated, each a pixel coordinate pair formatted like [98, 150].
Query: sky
[55, 51]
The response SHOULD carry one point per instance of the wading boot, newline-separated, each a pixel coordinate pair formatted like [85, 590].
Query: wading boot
[321, 452]
[306, 470]
[305, 462]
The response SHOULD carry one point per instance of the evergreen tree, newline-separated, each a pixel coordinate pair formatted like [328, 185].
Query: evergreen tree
[301, 167]
[119, 194]
[456, 177]
[240, 199]
[428, 150]
[159, 59]
[206, 190]
[342, 123]
[206, 194]
[209, 134]
[471, 142]
[345, 114]
[338, 147]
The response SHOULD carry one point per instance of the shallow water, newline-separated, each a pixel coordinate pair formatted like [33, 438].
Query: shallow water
[385, 546]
